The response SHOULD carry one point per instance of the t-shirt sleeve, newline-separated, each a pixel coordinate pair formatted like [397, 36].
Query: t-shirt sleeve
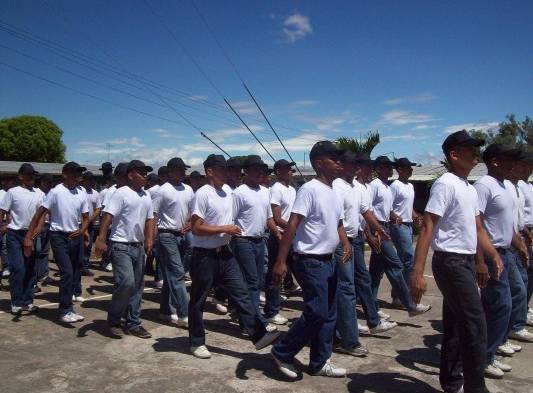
[150, 211]
[438, 199]
[363, 206]
[114, 204]
[483, 194]
[5, 202]
[49, 200]
[84, 205]
[237, 203]
[303, 203]
[199, 205]
[157, 202]
[275, 196]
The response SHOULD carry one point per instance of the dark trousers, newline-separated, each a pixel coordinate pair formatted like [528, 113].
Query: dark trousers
[42, 251]
[272, 293]
[464, 343]
[210, 267]
[316, 325]
[68, 254]
[23, 273]
[87, 250]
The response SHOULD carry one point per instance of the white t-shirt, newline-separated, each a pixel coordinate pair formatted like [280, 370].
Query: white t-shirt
[108, 194]
[354, 204]
[65, 207]
[284, 197]
[518, 205]
[153, 191]
[172, 205]
[215, 207]
[130, 210]
[365, 191]
[251, 209]
[21, 203]
[381, 197]
[496, 203]
[92, 199]
[2, 194]
[527, 190]
[322, 211]
[403, 198]
[456, 202]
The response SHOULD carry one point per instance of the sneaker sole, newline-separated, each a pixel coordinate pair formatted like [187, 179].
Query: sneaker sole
[288, 373]
[275, 336]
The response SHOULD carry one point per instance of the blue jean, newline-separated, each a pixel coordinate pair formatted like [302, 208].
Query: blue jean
[210, 268]
[518, 289]
[250, 254]
[128, 272]
[389, 263]
[151, 259]
[187, 253]
[23, 274]
[316, 325]
[346, 326]
[87, 251]
[402, 237]
[68, 254]
[42, 250]
[3, 252]
[496, 299]
[272, 292]
[363, 282]
[174, 297]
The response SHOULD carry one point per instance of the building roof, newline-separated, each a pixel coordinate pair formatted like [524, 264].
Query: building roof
[12, 167]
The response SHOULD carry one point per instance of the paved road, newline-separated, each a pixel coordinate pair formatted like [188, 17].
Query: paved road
[40, 354]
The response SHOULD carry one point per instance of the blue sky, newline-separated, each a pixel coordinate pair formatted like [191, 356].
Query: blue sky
[414, 70]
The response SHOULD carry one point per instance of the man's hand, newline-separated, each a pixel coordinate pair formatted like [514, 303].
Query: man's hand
[232, 230]
[396, 219]
[278, 272]
[28, 246]
[86, 239]
[482, 274]
[100, 246]
[346, 253]
[498, 263]
[3, 229]
[186, 228]
[374, 242]
[524, 255]
[418, 286]
[75, 234]
[148, 246]
[382, 234]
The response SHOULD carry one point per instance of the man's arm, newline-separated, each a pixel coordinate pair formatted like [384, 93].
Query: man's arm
[374, 225]
[345, 243]
[273, 228]
[418, 283]
[83, 227]
[280, 267]
[149, 235]
[199, 228]
[520, 246]
[485, 246]
[100, 243]
[276, 214]
[32, 230]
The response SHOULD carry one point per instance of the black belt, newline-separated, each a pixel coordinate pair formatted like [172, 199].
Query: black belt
[318, 257]
[171, 231]
[502, 249]
[18, 231]
[62, 233]
[128, 243]
[251, 238]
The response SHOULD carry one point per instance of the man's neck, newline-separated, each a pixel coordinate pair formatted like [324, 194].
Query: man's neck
[213, 184]
[252, 184]
[384, 179]
[285, 182]
[361, 180]
[324, 179]
[496, 175]
[175, 183]
[70, 186]
[348, 178]
[404, 179]
[462, 173]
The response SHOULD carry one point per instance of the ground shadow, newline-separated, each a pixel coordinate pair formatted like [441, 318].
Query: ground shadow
[388, 383]
[412, 358]
[99, 326]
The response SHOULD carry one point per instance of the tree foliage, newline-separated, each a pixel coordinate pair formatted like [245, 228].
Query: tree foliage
[363, 145]
[31, 138]
[509, 132]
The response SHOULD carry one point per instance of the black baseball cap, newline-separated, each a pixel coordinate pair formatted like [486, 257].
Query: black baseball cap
[151, 177]
[382, 160]
[135, 165]
[27, 169]
[349, 157]
[213, 160]
[121, 169]
[106, 167]
[500, 150]
[73, 167]
[403, 162]
[177, 163]
[324, 148]
[88, 175]
[460, 138]
[196, 175]
[364, 159]
[253, 160]
[283, 163]
[162, 171]
[525, 156]
[234, 162]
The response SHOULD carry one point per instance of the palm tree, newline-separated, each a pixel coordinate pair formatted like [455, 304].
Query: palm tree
[362, 145]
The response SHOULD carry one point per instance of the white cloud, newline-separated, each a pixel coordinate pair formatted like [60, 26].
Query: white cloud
[245, 108]
[296, 27]
[424, 97]
[424, 127]
[164, 133]
[428, 158]
[220, 135]
[483, 126]
[329, 123]
[198, 97]
[304, 103]
[403, 137]
[400, 118]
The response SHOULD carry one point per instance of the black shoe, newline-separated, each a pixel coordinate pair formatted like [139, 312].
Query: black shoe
[87, 273]
[47, 281]
[37, 289]
[139, 331]
[116, 331]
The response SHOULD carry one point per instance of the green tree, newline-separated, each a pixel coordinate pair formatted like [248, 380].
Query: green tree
[363, 145]
[31, 138]
[509, 132]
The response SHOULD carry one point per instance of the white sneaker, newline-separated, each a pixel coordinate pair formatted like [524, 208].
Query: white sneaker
[78, 299]
[78, 317]
[522, 335]
[278, 319]
[330, 370]
[383, 327]
[70, 318]
[159, 284]
[502, 366]
[505, 349]
[183, 322]
[286, 369]
[529, 320]
[16, 310]
[383, 315]
[6, 273]
[201, 352]
[220, 306]
[262, 298]
[267, 339]
[30, 308]
[492, 371]
[283, 297]
[363, 329]
[515, 347]
[419, 309]
[109, 267]
[172, 318]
